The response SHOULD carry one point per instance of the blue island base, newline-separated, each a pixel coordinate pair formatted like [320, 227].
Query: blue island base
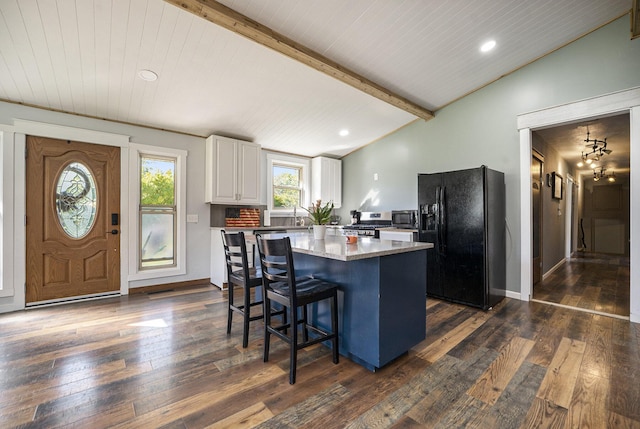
[381, 303]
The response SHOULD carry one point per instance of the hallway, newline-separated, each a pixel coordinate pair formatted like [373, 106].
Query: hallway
[591, 281]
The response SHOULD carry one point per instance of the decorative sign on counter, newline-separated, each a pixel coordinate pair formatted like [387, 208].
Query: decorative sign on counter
[235, 217]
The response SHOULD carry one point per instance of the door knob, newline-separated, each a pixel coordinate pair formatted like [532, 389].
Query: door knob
[114, 232]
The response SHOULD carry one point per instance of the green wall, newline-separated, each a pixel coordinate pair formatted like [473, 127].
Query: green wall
[480, 129]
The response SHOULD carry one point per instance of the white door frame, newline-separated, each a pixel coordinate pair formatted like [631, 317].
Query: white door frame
[568, 216]
[627, 101]
[21, 129]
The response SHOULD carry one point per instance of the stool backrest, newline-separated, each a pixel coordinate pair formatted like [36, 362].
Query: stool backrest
[235, 252]
[276, 260]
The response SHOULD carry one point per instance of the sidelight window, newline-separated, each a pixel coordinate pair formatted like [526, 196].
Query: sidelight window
[157, 218]
[157, 212]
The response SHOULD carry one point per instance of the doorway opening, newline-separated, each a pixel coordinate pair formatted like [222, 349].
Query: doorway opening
[584, 229]
[625, 101]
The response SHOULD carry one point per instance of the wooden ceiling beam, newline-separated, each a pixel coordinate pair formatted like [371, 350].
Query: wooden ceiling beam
[231, 20]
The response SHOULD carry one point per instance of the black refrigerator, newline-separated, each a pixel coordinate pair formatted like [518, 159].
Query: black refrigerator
[463, 214]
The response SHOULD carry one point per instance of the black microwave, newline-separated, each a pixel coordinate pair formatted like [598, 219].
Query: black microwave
[407, 219]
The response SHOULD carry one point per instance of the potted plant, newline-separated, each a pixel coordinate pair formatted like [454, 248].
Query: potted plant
[320, 215]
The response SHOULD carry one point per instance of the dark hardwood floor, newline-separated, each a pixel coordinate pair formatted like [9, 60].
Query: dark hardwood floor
[589, 281]
[164, 361]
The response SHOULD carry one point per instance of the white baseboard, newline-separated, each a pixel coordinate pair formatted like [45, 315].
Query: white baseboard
[555, 267]
[514, 295]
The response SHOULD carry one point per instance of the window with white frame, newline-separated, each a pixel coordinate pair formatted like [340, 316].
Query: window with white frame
[157, 220]
[288, 182]
[157, 212]
[287, 186]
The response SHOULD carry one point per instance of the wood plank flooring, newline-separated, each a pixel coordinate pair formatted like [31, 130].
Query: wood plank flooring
[590, 281]
[164, 360]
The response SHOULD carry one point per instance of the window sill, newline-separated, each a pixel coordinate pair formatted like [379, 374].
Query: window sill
[157, 273]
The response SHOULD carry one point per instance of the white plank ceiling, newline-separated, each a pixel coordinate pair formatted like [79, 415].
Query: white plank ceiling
[82, 56]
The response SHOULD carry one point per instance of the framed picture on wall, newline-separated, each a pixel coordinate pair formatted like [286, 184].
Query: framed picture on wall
[556, 186]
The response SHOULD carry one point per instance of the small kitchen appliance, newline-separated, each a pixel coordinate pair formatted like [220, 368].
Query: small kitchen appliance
[369, 223]
[404, 219]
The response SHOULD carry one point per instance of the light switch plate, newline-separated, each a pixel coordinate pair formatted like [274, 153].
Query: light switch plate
[192, 218]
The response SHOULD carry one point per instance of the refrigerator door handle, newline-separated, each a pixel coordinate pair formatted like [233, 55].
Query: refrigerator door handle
[443, 221]
[436, 214]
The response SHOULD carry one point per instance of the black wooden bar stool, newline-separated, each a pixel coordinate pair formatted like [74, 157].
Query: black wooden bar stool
[281, 286]
[241, 274]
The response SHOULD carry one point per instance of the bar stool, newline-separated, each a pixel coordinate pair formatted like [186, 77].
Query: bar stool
[280, 285]
[239, 273]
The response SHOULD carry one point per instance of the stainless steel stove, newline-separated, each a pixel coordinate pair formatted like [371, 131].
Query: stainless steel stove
[370, 223]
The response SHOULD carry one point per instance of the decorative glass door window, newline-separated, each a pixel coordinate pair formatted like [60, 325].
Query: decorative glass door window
[76, 200]
[157, 212]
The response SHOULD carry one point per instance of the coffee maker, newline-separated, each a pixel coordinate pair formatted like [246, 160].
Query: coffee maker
[355, 217]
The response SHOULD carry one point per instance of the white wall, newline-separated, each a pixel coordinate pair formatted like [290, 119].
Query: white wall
[12, 195]
[481, 128]
[554, 212]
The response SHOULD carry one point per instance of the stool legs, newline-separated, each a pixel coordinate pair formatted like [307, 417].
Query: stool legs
[334, 328]
[230, 314]
[267, 334]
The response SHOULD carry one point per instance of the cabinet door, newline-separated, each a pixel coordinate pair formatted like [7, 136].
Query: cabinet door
[336, 182]
[397, 235]
[248, 173]
[218, 268]
[327, 180]
[223, 161]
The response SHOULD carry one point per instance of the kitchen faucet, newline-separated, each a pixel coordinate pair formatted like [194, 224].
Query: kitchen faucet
[297, 222]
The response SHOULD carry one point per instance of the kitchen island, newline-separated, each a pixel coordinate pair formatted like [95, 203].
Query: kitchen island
[382, 292]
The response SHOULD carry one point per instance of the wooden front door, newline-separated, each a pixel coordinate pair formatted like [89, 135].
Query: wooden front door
[73, 216]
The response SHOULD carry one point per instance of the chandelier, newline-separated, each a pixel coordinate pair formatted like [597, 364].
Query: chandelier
[597, 175]
[598, 150]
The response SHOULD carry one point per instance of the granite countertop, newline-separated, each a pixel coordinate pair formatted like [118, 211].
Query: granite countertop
[395, 229]
[262, 228]
[271, 228]
[336, 247]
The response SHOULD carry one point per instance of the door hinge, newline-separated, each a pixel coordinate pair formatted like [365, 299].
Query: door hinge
[26, 152]
[25, 220]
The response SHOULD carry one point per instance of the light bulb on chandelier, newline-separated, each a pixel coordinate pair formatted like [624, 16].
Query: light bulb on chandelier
[598, 150]
[597, 175]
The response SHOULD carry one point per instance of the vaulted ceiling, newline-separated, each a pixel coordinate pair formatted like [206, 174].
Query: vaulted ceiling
[84, 56]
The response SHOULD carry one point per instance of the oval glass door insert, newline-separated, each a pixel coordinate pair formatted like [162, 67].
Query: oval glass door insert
[76, 200]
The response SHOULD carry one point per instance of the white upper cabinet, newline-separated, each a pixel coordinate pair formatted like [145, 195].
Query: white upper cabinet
[326, 180]
[232, 171]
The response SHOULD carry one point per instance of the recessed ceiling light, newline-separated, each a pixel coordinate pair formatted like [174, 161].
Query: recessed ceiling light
[148, 75]
[487, 46]
[344, 133]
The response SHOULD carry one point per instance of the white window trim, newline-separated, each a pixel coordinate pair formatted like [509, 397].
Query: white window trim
[135, 151]
[305, 178]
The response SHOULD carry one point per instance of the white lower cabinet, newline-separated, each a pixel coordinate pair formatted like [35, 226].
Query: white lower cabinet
[218, 268]
[398, 235]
